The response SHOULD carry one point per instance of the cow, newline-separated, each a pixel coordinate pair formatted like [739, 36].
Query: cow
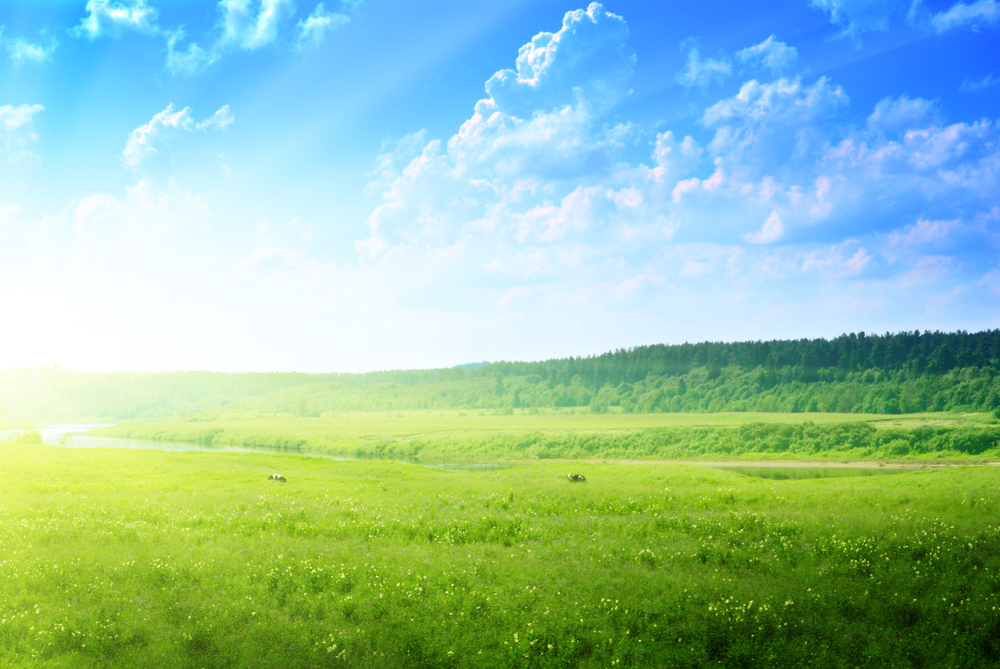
[576, 478]
[277, 478]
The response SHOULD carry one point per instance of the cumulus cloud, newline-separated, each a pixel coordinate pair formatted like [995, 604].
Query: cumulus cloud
[313, 29]
[702, 72]
[115, 18]
[587, 58]
[976, 15]
[143, 141]
[772, 127]
[771, 53]
[531, 200]
[786, 102]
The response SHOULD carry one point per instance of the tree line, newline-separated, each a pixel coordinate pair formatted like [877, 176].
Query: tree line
[891, 373]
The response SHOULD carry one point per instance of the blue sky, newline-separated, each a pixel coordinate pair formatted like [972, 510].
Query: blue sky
[346, 186]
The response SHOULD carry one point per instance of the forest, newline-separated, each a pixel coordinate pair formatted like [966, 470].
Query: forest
[904, 372]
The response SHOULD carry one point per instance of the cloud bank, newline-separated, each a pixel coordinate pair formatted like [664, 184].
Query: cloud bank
[532, 200]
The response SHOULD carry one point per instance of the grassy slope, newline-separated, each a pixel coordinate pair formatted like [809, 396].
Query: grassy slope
[526, 436]
[144, 558]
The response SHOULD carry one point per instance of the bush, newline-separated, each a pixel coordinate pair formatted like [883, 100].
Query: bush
[27, 436]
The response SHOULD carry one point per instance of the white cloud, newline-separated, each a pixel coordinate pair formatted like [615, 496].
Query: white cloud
[143, 215]
[220, 120]
[250, 25]
[837, 260]
[191, 60]
[313, 29]
[923, 233]
[703, 72]
[15, 130]
[770, 128]
[672, 159]
[976, 15]
[955, 165]
[785, 102]
[861, 16]
[588, 58]
[248, 28]
[898, 115]
[143, 140]
[114, 18]
[22, 51]
[989, 81]
[771, 53]
[13, 118]
[769, 233]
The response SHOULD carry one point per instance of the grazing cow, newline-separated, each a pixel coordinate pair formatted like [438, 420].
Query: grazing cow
[576, 478]
[277, 478]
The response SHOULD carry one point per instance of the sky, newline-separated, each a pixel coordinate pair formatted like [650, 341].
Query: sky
[353, 185]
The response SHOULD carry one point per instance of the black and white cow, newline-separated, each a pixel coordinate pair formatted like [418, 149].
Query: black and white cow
[576, 478]
[277, 478]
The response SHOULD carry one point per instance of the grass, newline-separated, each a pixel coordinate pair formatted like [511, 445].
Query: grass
[526, 436]
[362, 425]
[117, 558]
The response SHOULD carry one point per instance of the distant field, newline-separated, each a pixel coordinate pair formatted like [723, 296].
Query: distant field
[581, 435]
[118, 558]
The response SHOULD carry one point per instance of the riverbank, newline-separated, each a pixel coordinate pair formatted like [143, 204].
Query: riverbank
[840, 438]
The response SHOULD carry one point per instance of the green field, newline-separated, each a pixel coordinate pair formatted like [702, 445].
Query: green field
[145, 558]
[577, 434]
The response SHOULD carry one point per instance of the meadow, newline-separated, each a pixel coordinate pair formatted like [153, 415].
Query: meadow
[577, 433]
[118, 558]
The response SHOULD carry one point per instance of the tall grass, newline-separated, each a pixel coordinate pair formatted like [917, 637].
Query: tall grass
[142, 558]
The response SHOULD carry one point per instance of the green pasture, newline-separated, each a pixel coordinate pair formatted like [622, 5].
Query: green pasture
[578, 434]
[117, 558]
[367, 425]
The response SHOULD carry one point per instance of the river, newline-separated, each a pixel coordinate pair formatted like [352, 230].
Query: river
[73, 436]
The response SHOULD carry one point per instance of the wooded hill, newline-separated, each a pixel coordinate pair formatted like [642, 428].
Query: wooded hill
[891, 373]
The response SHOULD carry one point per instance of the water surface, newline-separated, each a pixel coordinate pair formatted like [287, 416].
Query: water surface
[793, 472]
[73, 436]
